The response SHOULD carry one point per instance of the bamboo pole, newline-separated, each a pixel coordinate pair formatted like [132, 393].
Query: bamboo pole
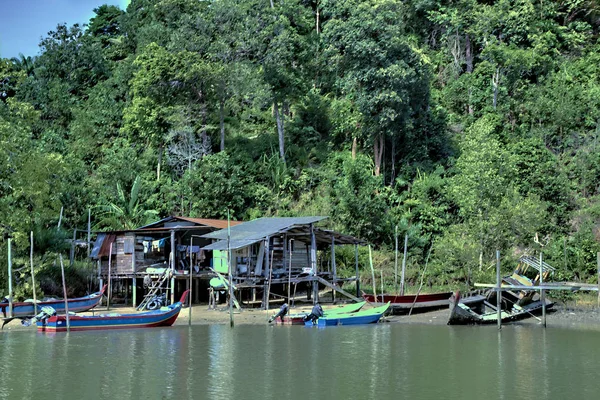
[32, 275]
[356, 267]
[172, 267]
[290, 272]
[382, 291]
[109, 277]
[396, 260]
[190, 293]
[230, 272]
[372, 273]
[10, 296]
[403, 265]
[498, 291]
[62, 270]
[542, 292]
[598, 261]
[89, 233]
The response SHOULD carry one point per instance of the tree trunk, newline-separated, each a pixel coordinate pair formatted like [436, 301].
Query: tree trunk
[393, 173]
[378, 150]
[222, 123]
[279, 118]
[354, 146]
[495, 83]
[160, 151]
[272, 5]
[469, 61]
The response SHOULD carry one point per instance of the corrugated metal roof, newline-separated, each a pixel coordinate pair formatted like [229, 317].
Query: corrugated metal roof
[214, 223]
[262, 227]
[233, 244]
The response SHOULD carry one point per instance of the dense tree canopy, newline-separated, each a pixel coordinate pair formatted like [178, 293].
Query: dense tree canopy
[470, 125]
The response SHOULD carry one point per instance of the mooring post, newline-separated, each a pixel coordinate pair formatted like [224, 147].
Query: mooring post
[498, 290]
[396, 260]
[333, 266]
[598, 261]
[356, 266]
[32, 276]
[172, 267]
[62, 270]
[372, 273]
[542, 291]
[10, 296]
[109, 277]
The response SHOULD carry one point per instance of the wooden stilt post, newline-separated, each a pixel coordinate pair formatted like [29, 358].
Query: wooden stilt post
[10, 291]
[290, 272]
[498, 290]
[62, 270]
[109, 277]
[133, 272]
[190, 294]
[267, 274]
[333, 266]
[542, 292]
[172, 267]
[313, 263]
[356, 270]
[32, 275]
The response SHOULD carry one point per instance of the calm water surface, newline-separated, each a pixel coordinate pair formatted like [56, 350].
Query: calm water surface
[385, 361]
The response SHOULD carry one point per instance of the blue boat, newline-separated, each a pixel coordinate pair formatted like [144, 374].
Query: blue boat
[362, 317]
[165, 316]
[79, 304]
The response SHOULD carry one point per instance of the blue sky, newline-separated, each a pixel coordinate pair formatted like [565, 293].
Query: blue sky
[24, 22]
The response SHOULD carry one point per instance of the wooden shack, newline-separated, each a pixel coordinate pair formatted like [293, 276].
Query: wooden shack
[173, 243]
[272, 257]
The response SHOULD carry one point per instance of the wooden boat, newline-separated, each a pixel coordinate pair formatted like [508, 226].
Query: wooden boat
[362, 317]
[79, 304]
[405, 303]
[298, 318]
[462, 314]
[165, 316]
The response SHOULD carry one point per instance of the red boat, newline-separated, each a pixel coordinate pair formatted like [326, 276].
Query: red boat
[405, 303]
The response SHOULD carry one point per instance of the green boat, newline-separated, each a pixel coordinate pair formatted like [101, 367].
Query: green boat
[369, 316]
[298, 318]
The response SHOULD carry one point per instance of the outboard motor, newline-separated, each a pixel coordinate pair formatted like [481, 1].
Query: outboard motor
[43, 315]
[283, 310]
[317, 311]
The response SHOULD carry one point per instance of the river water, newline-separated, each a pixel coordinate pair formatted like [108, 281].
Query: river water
[384, 361]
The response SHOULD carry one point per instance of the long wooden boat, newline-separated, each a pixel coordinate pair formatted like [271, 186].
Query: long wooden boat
[165, 316]
[405, 303]
[462, 314]
[298, 318]
[79, 304]
[362, 317]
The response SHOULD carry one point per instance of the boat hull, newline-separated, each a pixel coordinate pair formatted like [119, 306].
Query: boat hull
[405, 303]
[358, 318]
[80, 304]
[151, 319]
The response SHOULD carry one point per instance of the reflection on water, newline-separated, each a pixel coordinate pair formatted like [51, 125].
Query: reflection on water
[266, 362]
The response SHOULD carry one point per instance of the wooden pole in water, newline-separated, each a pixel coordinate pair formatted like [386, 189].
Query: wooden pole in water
[356, 266]
[230, 272]
[289, 272]
[542, 292]
[32, 275]
[62, 270]
[396, 260]
[498, 291]
[109, 277]
[372, 273]
[598, 261]
[403, 265]
[190, 293]
[10, 296]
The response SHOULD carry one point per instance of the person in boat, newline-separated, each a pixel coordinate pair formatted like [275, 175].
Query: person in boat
[317, 311]
[283, 310]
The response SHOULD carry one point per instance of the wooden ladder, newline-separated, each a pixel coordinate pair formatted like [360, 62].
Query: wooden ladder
[156, 286]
